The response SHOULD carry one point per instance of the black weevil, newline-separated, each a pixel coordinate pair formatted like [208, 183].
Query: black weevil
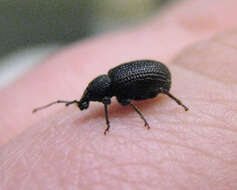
[135, 80]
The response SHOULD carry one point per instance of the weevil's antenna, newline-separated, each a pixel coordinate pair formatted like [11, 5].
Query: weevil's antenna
[67, 103]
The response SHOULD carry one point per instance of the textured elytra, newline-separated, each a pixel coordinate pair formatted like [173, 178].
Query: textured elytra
[139, 80]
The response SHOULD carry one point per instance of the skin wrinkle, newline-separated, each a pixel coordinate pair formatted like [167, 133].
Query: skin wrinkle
[199, 174]
[216, 100]
[180, 184]
[174, 180]
[183, 165]
[136, 143]
[93, 168]
[208, 78]
[197, 150]
[9, 164]
[19, 155]
[131, 164]
[134, 148]
[226, 44]
[197, 22]
[201, 137]
[173, 133]
[128, 182]
[228, 40]
[216, 118]
[98, 155]
[206, 125]
[128, 165]
[29, 174]
[201, 113]
[216, 48]
[51, 171]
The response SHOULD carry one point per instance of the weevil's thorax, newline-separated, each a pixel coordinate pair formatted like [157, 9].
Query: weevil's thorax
[99, 88]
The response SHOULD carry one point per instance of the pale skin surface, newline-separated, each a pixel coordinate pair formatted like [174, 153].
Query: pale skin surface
[63, 148]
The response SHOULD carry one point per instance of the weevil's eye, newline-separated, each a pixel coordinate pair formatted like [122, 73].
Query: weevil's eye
[83, 105]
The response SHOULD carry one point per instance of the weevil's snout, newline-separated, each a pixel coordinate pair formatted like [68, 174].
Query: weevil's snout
[83, 105]
[84, 101]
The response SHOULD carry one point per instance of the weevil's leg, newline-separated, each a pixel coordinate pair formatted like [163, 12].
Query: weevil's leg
[67, 103]
[140, 114]
[174, 98]
[107, 119]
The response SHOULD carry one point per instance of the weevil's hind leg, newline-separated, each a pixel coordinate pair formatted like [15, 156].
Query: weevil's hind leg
[67, 103]
[140, 114]
[174, 98]
[107, 119]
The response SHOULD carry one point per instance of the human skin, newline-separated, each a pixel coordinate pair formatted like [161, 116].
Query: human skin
[64, 148]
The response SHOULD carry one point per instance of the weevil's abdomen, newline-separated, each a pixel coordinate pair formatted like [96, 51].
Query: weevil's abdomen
[139, 80]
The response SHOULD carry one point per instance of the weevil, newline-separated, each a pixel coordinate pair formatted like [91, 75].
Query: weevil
[135, 80]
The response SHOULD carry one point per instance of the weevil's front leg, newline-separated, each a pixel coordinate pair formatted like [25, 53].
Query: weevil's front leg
[107, 119]
[106, 102]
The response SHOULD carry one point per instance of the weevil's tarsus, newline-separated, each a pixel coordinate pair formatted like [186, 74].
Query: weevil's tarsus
[146, 125]
[174, 98]
[67, 103]
[107, 119]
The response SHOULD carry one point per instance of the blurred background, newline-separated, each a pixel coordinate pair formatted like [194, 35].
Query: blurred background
[30, 30]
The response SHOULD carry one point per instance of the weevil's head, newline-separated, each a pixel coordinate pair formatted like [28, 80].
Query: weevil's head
[98, 90]
[83, 105]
